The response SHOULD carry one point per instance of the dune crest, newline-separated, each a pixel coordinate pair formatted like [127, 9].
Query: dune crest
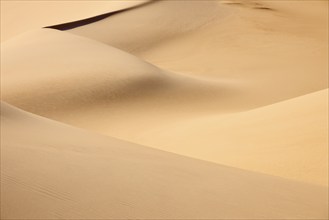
[182, 109]
[85, 175]
[287, 139]
[18, 16]
[139, 102]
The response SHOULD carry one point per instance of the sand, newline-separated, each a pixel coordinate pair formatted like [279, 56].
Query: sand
[287, 139]
[88, 176]
[18, 16]
[174, 109]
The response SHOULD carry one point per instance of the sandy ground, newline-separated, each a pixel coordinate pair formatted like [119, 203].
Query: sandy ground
[221, 108]
[19, 16]
[88, 176]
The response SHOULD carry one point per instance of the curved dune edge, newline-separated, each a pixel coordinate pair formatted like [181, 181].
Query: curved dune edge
[18, 17]
[63, 172]
[146, 26]
[287, 139]
[240, 84]
[117, 94]
[86, 21]
[281, 52]
[79, 72]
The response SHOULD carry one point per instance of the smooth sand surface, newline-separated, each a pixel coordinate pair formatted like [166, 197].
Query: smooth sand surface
[221, 108]
[144, 104]
[287, 139]
[19, 16]
[55, 171]
[286, 47]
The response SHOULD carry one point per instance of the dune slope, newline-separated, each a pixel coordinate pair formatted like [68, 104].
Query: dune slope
[146, 26]
[68, 75]
[18, 16]
[279, 49]
[92, 85]
[221, 108]
[64, 172]
[288, 139]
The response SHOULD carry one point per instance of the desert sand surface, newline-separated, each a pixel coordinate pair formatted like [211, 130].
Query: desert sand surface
[22, 15]
[265, 139]
[88, 176]
[170, 110]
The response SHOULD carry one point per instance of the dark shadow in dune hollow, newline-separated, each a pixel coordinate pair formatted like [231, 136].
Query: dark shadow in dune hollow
[79, 23]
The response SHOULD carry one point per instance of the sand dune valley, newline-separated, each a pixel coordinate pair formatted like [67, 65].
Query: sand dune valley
[164, 109]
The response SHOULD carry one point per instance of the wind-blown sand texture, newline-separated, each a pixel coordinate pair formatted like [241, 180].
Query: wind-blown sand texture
[164, 109]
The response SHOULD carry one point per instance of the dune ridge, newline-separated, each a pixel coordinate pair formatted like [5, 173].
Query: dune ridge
[167, 109]
[134, 181]
[162, 101]
[18, 17]
[286, 48]
[267, 139]
[111, 81]
[86, 21]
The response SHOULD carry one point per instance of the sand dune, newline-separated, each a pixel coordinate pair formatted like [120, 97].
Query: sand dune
[142, 103]
[102, 78]
[287, 139]
[286, 47]
[90, 20]
[20, 16]
[63, 172]
[146, 26]
[240, 84]
[165, 21]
